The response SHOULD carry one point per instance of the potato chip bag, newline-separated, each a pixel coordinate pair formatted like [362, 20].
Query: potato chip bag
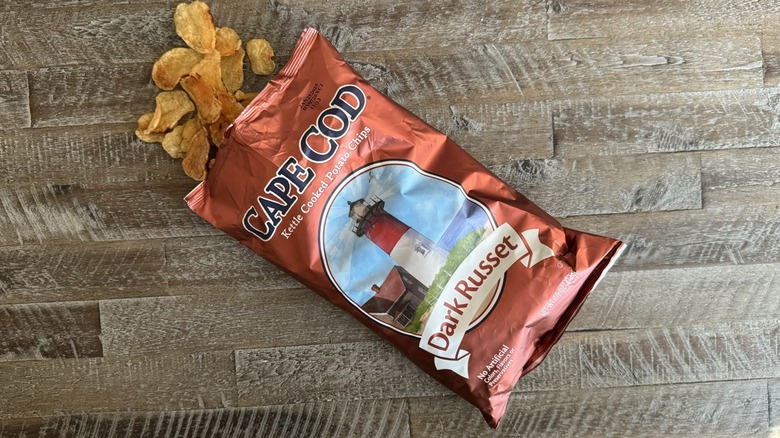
[390, 220]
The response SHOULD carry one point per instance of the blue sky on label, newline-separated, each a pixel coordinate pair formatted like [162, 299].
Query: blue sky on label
[424, 203]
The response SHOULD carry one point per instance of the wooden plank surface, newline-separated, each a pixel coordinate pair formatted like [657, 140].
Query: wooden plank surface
[578, 68]
[680, 355]
[217, 320]
[50, 331]
[348, 371]
[722, 409]
[650, 298]
[14, 99]
[736, 234]
[588, 186]
[124, 269]
[135, 383]
[385, 418]
[636, 18]
[655, 121]
[668, 122]
[91, 155]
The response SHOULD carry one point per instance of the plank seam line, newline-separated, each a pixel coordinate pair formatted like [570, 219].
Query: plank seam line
[407, 405]
[29, 99]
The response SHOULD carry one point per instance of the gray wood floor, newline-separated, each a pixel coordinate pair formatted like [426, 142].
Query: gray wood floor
[655, 121]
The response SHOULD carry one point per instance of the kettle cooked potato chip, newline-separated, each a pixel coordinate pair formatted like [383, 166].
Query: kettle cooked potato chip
[261, 56]
[227, 41]
[174, 65]
[210, 72]
[171, 107]
[195, 25]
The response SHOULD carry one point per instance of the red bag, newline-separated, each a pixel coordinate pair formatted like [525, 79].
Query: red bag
[390, 220]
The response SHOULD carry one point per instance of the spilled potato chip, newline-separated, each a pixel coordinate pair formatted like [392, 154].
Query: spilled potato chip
[172, 142]
[143, 125]
[174, 65]
[195, 25]
[211, 72]
[171, 107]
[245, 98]
[204, 96]
[261, 56]
[194, 163]
[189, 129]
[233, 70]
[227, 41]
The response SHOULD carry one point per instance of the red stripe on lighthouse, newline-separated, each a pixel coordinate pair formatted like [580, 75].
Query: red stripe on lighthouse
[385, 230]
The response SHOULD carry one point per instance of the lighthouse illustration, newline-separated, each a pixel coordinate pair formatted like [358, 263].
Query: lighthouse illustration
[415, 253]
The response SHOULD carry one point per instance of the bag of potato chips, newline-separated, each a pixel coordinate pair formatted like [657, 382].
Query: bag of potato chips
[390, 220]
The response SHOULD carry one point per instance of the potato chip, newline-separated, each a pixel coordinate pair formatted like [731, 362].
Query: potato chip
[230, 107]
[204, 96]
[171, 107]
[233, 70]
[172, 142]
[261, 56]
[194, 163]
[230, 111]
[210, 70]
[189, 129]
[227, 41]
[195, 25]
[174, 65]
[246, 98]
[143, 124]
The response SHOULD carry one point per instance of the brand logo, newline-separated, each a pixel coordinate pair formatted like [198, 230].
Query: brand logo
[317, 144]
[470, 286]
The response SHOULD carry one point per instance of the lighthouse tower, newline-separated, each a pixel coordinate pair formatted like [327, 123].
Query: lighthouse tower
[414, 252]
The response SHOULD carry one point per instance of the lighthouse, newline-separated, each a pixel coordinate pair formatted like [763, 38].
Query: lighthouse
[417, 254]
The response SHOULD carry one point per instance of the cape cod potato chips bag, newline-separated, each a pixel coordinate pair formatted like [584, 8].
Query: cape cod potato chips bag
[390, 220]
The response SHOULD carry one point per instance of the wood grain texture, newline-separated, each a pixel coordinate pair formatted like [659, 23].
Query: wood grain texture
[635, 18]
[734, 234]
[681, 297]
[774, 407]
[50, 331]
[86, 34]
[14, 99]
[722, 409]
[669, 122]
[743, 350]
[495, 133]
[729, 177]
[587, 186]
[581, 68]
[215, 319]
[124, 269]
[74, 212]
[770, 48]
[86, 94]
[90, 155]
[379, 418]
[120, 32]
[349, 371]
[328, 372]
[134, 383]
[365, 25]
